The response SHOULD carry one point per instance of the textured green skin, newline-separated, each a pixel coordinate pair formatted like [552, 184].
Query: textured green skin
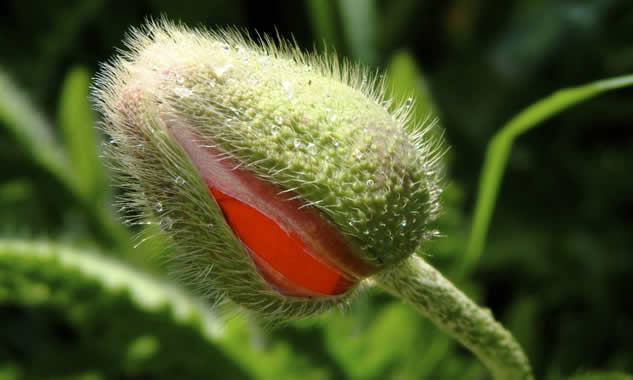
[330, 143]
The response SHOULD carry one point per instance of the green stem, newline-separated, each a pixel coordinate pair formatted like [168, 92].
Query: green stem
[424, 288]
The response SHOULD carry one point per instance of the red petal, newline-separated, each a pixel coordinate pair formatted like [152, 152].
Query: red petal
[282, 257]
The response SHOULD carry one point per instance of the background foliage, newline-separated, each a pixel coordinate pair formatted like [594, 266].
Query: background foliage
[555, 267]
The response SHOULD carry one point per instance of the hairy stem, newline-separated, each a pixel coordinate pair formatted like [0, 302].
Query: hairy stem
[424, 288]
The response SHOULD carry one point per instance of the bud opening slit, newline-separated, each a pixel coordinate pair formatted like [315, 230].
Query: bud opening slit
[295, 249]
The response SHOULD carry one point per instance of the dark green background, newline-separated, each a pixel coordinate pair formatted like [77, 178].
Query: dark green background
[558, 264]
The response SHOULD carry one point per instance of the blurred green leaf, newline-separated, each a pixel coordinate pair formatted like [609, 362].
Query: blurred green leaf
[405, 79]
[34, 134]
[369, 352]
[602, 376]
[523, 319]
[500, 146]
[32, 131]
[59, 304]
[394, 20]
[359, 26]
[76, 121]
[147, 323]
[269, 358]
[395, 343]
[322, 17]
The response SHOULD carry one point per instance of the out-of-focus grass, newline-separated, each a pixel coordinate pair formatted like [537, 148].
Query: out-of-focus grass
[75, 113]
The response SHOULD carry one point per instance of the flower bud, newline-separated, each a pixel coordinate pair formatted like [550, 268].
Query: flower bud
[281, 177]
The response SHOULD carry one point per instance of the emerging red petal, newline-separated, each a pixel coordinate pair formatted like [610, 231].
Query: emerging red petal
[282, 257]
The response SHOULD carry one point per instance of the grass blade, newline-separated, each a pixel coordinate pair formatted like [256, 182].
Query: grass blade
[501, 144]
[405, 79]
[324, 28]
[76, 122]
[359, 26]
[32, 131]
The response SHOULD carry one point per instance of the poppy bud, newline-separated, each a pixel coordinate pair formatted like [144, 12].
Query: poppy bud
[282, 178]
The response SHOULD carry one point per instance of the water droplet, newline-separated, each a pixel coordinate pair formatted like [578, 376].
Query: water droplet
[358, 154]
[311, 148]
[180, 79]
[370, 182]
[285, 84]
[179, 180]
[158, 207]
[263, 60]
[279, 119]
[403, 223]
[333, 118]
[428, 235]
[335, 142]
[297, 143]
[166, 223]
[220, 70]
[408, 103]
[274, 131]
[183, 92]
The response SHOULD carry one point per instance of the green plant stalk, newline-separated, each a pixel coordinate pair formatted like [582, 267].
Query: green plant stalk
[424, 288]
[501, 144]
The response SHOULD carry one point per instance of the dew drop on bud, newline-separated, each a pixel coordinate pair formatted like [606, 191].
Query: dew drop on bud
[408, 103]
[183, 92]
[220, 70]
[166, 224]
